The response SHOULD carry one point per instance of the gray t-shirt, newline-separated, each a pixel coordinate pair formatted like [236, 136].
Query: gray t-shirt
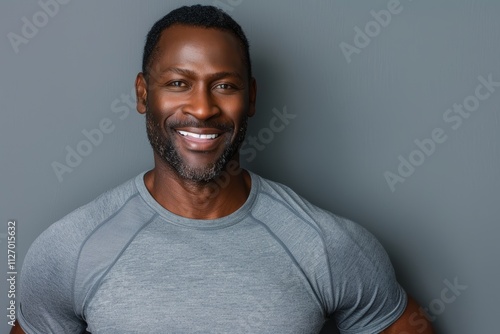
[124, 264]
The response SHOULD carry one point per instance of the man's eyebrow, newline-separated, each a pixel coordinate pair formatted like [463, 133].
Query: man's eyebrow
[213, 76]
[178, 70]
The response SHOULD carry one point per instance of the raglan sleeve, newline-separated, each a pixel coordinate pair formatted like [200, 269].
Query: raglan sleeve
[366, 297]
[46, 283]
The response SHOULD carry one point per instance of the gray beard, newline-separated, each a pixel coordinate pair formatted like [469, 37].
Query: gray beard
[165, 149]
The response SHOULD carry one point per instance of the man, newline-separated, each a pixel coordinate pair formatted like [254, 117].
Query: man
[197, 244]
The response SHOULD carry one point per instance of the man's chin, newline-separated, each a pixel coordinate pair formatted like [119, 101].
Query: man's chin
[199, 168]
[200, 175]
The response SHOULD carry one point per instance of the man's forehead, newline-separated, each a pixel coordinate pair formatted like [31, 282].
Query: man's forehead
[181, 42]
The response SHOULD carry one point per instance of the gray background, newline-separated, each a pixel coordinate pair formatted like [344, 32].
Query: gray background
[353, 120]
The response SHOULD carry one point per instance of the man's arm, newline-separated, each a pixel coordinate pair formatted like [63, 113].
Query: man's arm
[17, 329]
[412, 321]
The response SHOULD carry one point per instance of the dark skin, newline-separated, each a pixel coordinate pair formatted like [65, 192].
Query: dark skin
[16, 329]
[201, 76]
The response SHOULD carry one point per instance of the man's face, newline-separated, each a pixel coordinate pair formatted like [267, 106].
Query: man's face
[197, 99]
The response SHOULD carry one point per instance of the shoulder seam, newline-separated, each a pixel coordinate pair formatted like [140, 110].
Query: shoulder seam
[319, 232]
[98, 226]
[97, 285]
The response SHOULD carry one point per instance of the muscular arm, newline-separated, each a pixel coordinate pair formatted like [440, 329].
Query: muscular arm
[16, 329]
[412, 321]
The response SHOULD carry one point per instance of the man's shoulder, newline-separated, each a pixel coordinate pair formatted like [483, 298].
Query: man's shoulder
[103, 206]
[282, 196]
[281, 202]
[73, 228]
[277, 191]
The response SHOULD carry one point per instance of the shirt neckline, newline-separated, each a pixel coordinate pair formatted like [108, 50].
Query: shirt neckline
[218, 223]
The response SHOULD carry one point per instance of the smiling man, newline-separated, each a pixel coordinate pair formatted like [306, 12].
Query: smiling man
[170, 251]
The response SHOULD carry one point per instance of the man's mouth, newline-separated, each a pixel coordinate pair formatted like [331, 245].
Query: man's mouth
[198, 135]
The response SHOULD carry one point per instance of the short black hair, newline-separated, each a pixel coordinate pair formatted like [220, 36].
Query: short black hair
[197, 16]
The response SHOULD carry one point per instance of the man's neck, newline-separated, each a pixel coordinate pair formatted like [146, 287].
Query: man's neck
[216, 199]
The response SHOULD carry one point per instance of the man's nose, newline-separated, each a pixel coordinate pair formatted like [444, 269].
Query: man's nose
[202, 104]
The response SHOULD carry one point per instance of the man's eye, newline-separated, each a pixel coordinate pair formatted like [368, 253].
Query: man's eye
[224, 86]
[177, 84]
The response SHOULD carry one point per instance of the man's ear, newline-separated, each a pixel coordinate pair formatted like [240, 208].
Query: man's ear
[252, 96]
[141, 92]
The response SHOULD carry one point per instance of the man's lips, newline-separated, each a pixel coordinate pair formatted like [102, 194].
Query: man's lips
[200, 139]
[198, 135]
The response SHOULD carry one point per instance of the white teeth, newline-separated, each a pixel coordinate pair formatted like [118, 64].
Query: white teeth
[197, 135]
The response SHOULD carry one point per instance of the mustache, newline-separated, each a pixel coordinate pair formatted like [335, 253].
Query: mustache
[199, 124]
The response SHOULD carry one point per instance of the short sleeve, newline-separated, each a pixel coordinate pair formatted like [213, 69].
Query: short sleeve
[45, 290]
[367, 296]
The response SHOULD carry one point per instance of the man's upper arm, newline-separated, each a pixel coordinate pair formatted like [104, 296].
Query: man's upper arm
[45, 284]
[372, 299]
[412, 321]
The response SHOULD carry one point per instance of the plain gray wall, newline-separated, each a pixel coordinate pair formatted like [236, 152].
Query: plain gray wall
[356, 117]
